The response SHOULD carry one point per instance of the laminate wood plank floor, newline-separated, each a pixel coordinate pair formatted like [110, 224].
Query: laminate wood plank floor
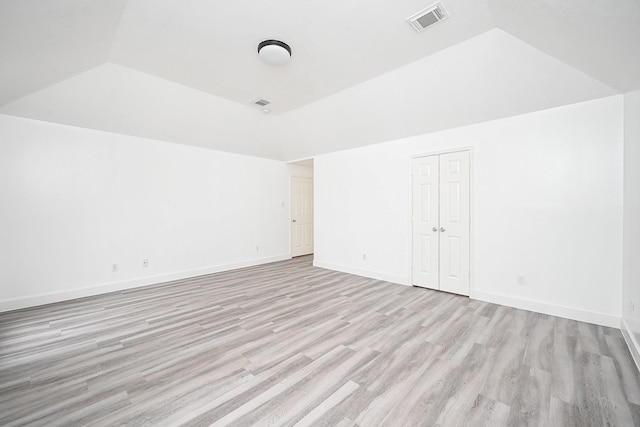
[290, 344]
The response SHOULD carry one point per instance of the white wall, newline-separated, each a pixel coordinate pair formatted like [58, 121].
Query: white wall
[631, 248]
[547, 204]
[74, 201]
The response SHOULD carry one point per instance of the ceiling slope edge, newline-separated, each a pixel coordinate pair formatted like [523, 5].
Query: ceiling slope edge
[117, 99]
[493, 75]
[43, 43]
[594, 37]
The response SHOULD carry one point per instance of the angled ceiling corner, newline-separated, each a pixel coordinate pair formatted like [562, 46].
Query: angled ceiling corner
[599, 38]
[42, 43]
[488, 77]
[121, 100]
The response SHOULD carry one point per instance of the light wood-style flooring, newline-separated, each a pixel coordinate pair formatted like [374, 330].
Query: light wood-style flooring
[290, 344]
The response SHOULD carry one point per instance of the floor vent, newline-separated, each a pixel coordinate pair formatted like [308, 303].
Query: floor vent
[427, 17]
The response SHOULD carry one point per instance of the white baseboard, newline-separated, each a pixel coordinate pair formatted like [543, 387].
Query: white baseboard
[539, 307]
[551, 309]
[35, 300]
[364, 273]
[630, 339]
[536, 306]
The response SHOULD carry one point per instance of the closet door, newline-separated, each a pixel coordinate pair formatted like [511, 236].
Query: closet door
[425, 244]
[454, 222]
[440, 222]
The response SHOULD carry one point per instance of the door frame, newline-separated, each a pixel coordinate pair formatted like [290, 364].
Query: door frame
[290, 215]
[471, 213]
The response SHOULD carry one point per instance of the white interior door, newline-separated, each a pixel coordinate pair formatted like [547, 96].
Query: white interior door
[301, 216]
[454, 222]
[425, 222]
[441, 219]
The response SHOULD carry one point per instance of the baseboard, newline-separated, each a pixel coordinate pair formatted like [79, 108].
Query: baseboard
[364, 273]
[551, 309]
[536, 306]
[35, 300]
[539, 307]
[632, 343]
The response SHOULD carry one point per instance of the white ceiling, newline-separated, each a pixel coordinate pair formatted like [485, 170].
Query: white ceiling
[599, 37]
[212, 46]
[117, 99]
[488, 77]
[125, 65]
[45, 41]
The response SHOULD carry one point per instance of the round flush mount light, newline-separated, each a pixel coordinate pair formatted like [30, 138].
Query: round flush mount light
[274, 52]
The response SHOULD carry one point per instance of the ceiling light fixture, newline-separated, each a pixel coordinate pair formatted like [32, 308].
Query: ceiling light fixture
[274, 52]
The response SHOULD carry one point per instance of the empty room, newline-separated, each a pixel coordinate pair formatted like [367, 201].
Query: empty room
[338, 213]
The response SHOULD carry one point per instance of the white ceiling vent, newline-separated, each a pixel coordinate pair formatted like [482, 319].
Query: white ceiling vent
[427, 17]
[261, 102]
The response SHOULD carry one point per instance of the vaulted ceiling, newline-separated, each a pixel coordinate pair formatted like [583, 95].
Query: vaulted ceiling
[188, 72]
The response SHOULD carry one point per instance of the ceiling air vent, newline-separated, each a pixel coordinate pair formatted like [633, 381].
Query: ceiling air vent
[261, 102]
[427, 17]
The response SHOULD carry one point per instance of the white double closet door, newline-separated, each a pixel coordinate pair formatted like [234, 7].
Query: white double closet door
[441, 223]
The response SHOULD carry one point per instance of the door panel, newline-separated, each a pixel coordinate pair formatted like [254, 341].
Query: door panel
[301, 216]
[426, 261]
[454, 222]
[425, 218]
[453, 270]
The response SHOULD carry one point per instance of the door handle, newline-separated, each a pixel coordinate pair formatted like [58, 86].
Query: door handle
[435, 229]
[442, 229]
[293, 220]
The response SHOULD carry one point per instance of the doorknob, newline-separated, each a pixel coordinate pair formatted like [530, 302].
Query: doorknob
[293, 220]
[435, 228]
[442, 229]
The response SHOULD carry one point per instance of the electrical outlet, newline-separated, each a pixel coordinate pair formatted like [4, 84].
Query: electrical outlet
[257, 248]
[364, 257]
[145, 263]
[114, 268]
[522, 280]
